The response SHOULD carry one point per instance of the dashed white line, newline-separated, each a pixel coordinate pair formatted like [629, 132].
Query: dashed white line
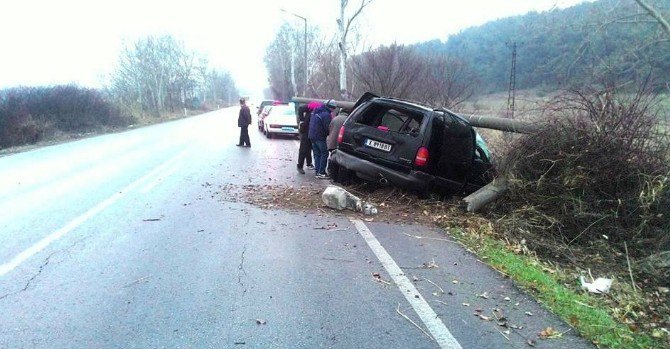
[435, 326]
[46, 241]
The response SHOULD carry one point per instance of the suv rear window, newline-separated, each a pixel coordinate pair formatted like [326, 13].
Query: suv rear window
[391, 119]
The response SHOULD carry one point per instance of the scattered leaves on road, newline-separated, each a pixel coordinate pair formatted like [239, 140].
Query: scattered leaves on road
[549, 333]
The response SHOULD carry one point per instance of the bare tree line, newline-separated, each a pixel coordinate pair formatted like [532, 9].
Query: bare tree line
[439, 79]
[395, 70]
[158, 74]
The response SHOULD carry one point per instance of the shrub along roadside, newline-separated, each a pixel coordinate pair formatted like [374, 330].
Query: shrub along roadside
[32, 114]
[583, 312]
[595, 181]
[591, 192]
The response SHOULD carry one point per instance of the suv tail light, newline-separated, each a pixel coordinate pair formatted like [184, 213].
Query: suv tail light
[340, 135]
[421, 158]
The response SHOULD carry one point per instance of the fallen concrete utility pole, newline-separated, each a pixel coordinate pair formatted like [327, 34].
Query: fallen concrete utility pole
[481, 121]
[485, 195]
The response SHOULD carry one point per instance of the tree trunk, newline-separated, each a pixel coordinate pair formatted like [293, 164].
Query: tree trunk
[293, 83]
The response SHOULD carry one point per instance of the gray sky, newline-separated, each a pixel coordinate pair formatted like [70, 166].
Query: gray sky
[52, 42]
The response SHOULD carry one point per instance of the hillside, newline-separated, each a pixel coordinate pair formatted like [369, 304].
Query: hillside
[587, 42]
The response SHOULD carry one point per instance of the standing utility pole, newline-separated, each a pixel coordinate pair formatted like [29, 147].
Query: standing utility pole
[512, 84]
[343, 26]
[304, 89]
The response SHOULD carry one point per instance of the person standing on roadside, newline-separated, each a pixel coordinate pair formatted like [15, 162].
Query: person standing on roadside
[331, 140]
[318, 131]
[305, 151]
[243, 122]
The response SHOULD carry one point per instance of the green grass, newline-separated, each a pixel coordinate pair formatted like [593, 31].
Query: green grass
[584, 312]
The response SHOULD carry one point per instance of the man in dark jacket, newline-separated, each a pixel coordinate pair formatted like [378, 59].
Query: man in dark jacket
[305, 151]
[318, 131]
[331, 140]
[243, 122]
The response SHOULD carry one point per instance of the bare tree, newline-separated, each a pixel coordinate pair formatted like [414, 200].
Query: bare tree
[447, 81]
[156, 74]
[343, 26]
[278, 63]
[323, 82]
[220, 87]
[286, 74]
[388, 70]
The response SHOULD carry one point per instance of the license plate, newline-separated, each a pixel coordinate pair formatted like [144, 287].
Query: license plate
[287, 128]
[377, 145]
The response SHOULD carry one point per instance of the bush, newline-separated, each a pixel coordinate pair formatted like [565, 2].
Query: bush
[596, 174]
[27, 114]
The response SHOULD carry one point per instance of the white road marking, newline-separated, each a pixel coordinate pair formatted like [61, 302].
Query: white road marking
[435, 326]
[46, 241]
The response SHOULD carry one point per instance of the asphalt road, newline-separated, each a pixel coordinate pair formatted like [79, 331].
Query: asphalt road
[124, 241]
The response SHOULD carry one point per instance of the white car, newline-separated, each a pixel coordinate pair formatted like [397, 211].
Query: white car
[281, 120]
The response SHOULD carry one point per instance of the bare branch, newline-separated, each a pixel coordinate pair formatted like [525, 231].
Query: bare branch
[656, 15]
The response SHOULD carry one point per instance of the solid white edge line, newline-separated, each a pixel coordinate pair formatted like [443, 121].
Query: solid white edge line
[46, 241]
[435, 326]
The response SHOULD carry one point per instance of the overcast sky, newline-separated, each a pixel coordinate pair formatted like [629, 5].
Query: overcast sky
[63, 41]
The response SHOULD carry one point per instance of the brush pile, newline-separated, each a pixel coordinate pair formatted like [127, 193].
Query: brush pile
[596, 178]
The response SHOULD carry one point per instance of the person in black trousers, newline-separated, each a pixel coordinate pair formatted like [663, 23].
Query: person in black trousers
[243, 122]
[305, 150]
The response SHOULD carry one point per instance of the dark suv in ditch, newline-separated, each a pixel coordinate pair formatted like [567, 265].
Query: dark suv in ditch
[391, 141]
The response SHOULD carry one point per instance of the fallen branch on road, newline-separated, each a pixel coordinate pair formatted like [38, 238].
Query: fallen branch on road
[137, 281]
[413, 323]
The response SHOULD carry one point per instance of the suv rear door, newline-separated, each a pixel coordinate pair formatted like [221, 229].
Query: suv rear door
[386, 133]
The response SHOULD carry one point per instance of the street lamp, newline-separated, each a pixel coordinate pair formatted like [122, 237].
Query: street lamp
[304, 89]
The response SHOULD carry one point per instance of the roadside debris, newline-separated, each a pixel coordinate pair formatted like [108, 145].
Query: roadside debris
[337, 198]
[438, 287]
[137, 281]
[551, 333]
[412, 322]
[600, 285]
[430, 265]
[379, 279]
[261, 321]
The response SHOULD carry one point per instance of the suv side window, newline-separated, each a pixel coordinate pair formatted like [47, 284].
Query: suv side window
[391, 119]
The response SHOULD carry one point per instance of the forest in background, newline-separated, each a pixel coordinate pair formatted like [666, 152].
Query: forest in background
[606, 41]
[593, 41]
